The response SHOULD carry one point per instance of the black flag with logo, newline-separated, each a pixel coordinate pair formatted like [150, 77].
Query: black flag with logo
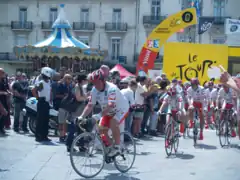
[205, 23]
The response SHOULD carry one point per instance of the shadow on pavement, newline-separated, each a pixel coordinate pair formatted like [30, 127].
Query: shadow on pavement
[205, 146]
[185, 156]
[48, 143]
[235, 146]
[116, 176]
[119, 176]
[4, 170]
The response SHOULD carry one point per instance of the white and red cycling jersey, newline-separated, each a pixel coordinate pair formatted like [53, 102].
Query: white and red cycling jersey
[175, 103]
[197, 96]
[211, 96]
[227, 99]
[111, 94]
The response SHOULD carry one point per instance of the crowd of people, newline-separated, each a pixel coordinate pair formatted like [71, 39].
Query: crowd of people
[137, 104]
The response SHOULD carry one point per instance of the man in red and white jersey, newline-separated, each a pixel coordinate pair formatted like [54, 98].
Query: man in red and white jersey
[211, 97]
[197, 100]
[114, 108]
[228, 100]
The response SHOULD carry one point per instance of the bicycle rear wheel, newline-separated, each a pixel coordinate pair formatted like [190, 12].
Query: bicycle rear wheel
[168, 139]
[124, 162]
[88, 147]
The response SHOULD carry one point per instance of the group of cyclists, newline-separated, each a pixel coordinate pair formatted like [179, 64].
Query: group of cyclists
[183, 98]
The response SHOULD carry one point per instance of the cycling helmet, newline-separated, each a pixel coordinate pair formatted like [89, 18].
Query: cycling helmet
[105, 70]
[187, 84]
[97, 75]
[46, 71]
[172, 91]
[210, 83]
[194, 81]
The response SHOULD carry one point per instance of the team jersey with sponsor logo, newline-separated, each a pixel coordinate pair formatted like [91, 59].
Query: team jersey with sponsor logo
[211, 94]
[197, 95]
[226, 97]
[173, 102]
[111, 94]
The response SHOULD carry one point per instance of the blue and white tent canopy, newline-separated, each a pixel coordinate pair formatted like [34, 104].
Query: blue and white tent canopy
[61, 36]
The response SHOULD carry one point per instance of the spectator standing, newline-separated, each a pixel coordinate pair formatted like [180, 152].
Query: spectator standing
[154, 109]
[80, 99]
[20, 90]
[139, 98]
[148, 105]
[64, 88]
[129, 95]
[42, 91]
[55, 83]
[4, 95]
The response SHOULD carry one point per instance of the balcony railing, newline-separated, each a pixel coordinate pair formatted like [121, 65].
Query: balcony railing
[47, 25]
[22, 25]
[6, 56]
[113, 27]
[83, 26]
[218, 20]
[154, 20]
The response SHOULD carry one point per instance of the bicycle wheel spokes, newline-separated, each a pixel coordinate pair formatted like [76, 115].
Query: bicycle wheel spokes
[87, 155]
[223, 133]
[195, 132]
[126, 159]
[168, 140]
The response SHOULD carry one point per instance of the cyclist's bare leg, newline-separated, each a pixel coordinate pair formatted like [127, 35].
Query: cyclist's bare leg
[114, 126]
[201, 117]
[104, 131]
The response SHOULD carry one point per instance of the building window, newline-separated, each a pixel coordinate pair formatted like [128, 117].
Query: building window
[84, 39]
[84, 15]
[115, 48]
[21, 40]
[219, 8]
[53, 14]
[117, 15]
[218, 40]
[22, 16]
[155, 8]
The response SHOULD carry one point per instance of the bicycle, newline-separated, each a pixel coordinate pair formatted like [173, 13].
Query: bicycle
[196, 121]
[172, 133]
[90, 144]
[217, 121]
[225, 128]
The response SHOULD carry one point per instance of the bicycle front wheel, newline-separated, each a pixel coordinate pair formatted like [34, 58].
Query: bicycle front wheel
[168, 139]
[88, 149]
[224, 133]
[126, 159]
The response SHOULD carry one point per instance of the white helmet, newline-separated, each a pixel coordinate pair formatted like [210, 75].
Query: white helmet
[47, 71]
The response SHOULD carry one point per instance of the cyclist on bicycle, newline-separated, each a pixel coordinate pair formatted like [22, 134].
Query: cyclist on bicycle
[174, 101]
[114, 108]
[211, 94]
[197, 100]
[227, 99]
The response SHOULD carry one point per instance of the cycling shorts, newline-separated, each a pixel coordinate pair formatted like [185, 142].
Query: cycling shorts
[197, 105]
[228, 106]
[119, 117]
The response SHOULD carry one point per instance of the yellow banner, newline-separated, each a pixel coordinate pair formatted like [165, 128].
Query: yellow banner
[186, 60]
[159, 36]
